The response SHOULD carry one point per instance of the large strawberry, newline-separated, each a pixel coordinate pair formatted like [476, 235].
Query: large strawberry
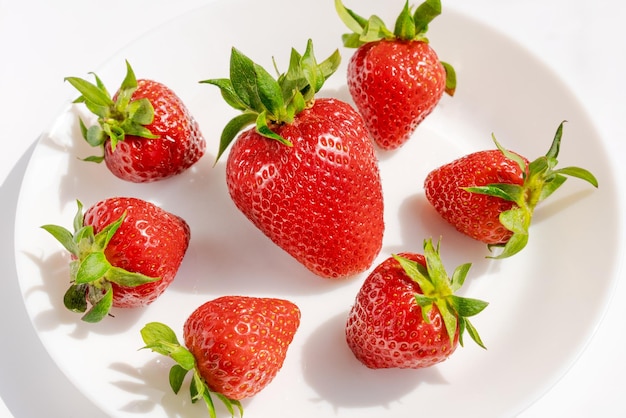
[145, 131]
[235, 346]
[306, 174]
[395, 78]
[125, 253]
[491, 195]
[406, 314]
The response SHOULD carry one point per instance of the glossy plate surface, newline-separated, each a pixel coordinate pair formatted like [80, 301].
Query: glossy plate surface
[542, 309]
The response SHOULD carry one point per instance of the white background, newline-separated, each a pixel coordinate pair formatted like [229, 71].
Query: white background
[41, 42]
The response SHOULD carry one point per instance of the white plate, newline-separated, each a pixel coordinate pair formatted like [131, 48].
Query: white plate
[545, 302]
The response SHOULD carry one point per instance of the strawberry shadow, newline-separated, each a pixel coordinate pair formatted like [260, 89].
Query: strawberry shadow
[418, 221]
[342, 382]
[149, 386]
[23, 351]
[247, 263]
[384, 155]
[54, 282]
[228, 254]
[91, 182]
[83, 180]
[552, 208]
[337, 92]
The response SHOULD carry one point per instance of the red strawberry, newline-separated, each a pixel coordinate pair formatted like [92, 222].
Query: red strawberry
[235, 346]
[125, 252]
[306, 175]
[395, 78]
[491, 195]
[145, 130]
[406, 314]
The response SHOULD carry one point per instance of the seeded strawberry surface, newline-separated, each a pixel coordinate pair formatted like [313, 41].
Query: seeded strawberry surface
[150, 241]
[240, 343]
[179, 145]
[395, 85]
[385, 328]
[321, 199]
[476, 215]
[145, 132]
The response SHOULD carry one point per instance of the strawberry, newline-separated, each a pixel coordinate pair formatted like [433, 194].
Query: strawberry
[125, 253]
[306, 174]
[395, 78]
[235, 346]
[145, 131]
[406, 314]
[491, 195]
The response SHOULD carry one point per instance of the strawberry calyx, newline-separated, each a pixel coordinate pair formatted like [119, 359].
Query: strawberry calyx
[161, 339]
[409, 26]
[267, 101]
[116, 118]
[90, 272]
[438, 289]
[541, 179]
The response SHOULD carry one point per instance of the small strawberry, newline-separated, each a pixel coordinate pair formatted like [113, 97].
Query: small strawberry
[491, 195]
[145, 131]
[395, 78]
[235, 346]
[406, 314]
[125, 253]
[306, 175]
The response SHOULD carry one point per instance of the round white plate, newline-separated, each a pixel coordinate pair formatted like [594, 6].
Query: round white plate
[544, 303]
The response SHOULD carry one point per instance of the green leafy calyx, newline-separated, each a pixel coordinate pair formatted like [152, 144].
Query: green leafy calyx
[90, 272]
[541, 179]
[438, 290]
[161, 339]
[116, 118]
[409, 26]
[267, 101]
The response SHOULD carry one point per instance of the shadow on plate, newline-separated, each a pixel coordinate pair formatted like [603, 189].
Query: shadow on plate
[149, 385]
[340, 380]
[227, 254]
[551, 208]
[54, 272]
[16, 387]
[418, 221]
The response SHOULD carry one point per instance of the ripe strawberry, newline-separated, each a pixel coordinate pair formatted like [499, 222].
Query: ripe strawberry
[395, 78]
[491, 195]
[235, 346]
[406, 314]
[307, 175]
[145, 130]
[125, 253]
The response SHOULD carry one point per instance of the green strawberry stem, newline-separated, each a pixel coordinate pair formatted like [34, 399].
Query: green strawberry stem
[161, 339]
[438, 289]
[541, 179]
[268, 102]
[116, 118]
[409, 27]
[90, 272]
